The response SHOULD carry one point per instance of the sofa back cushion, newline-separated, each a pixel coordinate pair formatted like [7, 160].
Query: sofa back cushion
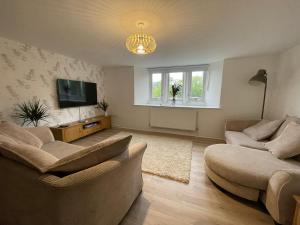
[287, 145]
[43, 133]
[92, 155]
[288, 119]
[19, 134]
[5, 139]
[26, 154]
[263, 129]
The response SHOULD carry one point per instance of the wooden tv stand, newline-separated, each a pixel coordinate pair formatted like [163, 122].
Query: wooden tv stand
[73, 131]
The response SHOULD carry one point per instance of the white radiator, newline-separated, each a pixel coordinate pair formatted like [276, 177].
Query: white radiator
[173, 118]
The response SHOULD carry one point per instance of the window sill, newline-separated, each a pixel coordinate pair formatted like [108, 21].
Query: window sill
[180, 106]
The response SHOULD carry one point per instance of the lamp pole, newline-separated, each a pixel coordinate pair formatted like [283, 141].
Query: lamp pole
[261, 77]
[264, 101]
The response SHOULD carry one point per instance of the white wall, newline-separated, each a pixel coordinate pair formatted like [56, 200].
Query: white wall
[239, 99]
[141, 85]
[286, 86]
[119, 84]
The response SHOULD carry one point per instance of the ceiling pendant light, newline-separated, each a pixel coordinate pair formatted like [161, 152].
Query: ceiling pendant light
[141, 43]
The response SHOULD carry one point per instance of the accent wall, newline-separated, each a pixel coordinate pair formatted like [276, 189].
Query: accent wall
[28, 72]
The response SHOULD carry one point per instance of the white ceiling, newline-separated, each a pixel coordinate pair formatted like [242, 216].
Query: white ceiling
[187, 31]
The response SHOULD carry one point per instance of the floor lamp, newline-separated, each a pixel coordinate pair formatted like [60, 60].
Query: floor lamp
[260, 77]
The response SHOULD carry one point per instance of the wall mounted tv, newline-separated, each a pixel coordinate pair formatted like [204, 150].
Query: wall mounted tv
[72, 93]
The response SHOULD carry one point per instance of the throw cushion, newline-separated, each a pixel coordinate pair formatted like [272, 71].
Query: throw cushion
[92, 155]
[287, 144]
[20, 134]
[288, 119]
[26, 154]
[263, 129]
[239, 138]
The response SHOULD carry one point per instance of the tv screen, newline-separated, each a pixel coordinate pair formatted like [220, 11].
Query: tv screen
[72, 93]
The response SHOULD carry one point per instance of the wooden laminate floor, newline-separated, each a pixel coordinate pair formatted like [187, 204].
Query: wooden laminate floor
[167, 202]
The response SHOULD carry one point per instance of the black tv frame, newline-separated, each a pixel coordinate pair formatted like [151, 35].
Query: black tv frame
[70, 104]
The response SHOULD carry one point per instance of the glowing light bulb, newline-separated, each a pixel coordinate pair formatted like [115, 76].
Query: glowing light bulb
[140, 49]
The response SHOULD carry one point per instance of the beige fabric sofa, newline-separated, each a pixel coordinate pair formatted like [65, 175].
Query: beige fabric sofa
[245, 168]
[101, 194]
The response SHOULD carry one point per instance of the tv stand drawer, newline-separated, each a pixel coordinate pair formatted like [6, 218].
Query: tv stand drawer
[72, 133]
[76, 130]
[91, 130]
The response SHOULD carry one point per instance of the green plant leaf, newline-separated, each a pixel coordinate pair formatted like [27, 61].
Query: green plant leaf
[103, 105]
[31, 112]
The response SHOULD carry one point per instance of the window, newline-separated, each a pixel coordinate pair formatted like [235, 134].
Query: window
[177, 79]
[197, 85]
[191, 80]
[156, 80]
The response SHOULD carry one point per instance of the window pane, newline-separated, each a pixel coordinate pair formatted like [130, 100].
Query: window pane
[197, 84]
[156, 85]
[177, 79]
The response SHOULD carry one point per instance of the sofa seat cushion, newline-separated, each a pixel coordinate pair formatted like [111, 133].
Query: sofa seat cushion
[234, 188]
[239, 138]
[61, 149]
[245, 166]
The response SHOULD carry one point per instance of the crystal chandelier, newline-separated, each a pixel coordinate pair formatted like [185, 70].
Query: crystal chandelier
[141, 43]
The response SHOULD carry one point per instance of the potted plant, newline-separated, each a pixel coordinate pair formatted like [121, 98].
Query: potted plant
[31, 112]
[174, 91]
[103, 105]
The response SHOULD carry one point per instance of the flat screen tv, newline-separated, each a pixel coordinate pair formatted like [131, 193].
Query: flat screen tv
[73, 93]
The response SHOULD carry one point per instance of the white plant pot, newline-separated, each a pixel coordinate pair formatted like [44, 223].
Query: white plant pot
[105, 113]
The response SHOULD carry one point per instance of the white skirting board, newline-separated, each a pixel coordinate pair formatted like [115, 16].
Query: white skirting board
[174, 118]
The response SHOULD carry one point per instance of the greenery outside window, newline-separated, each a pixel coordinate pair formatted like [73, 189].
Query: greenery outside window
[175, 78]
[156, 86]
[196, 86]
[192, 80]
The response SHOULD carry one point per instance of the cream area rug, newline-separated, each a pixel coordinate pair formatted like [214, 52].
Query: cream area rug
[165, 156]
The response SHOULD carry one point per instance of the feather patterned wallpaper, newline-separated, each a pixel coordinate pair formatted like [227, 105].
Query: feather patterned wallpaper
[28, 72]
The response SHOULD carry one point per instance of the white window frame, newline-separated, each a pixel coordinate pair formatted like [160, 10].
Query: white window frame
[165, 98]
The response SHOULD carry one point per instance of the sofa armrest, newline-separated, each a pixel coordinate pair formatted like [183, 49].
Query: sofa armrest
[283, 185]
[239, 125]
[44, 133]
